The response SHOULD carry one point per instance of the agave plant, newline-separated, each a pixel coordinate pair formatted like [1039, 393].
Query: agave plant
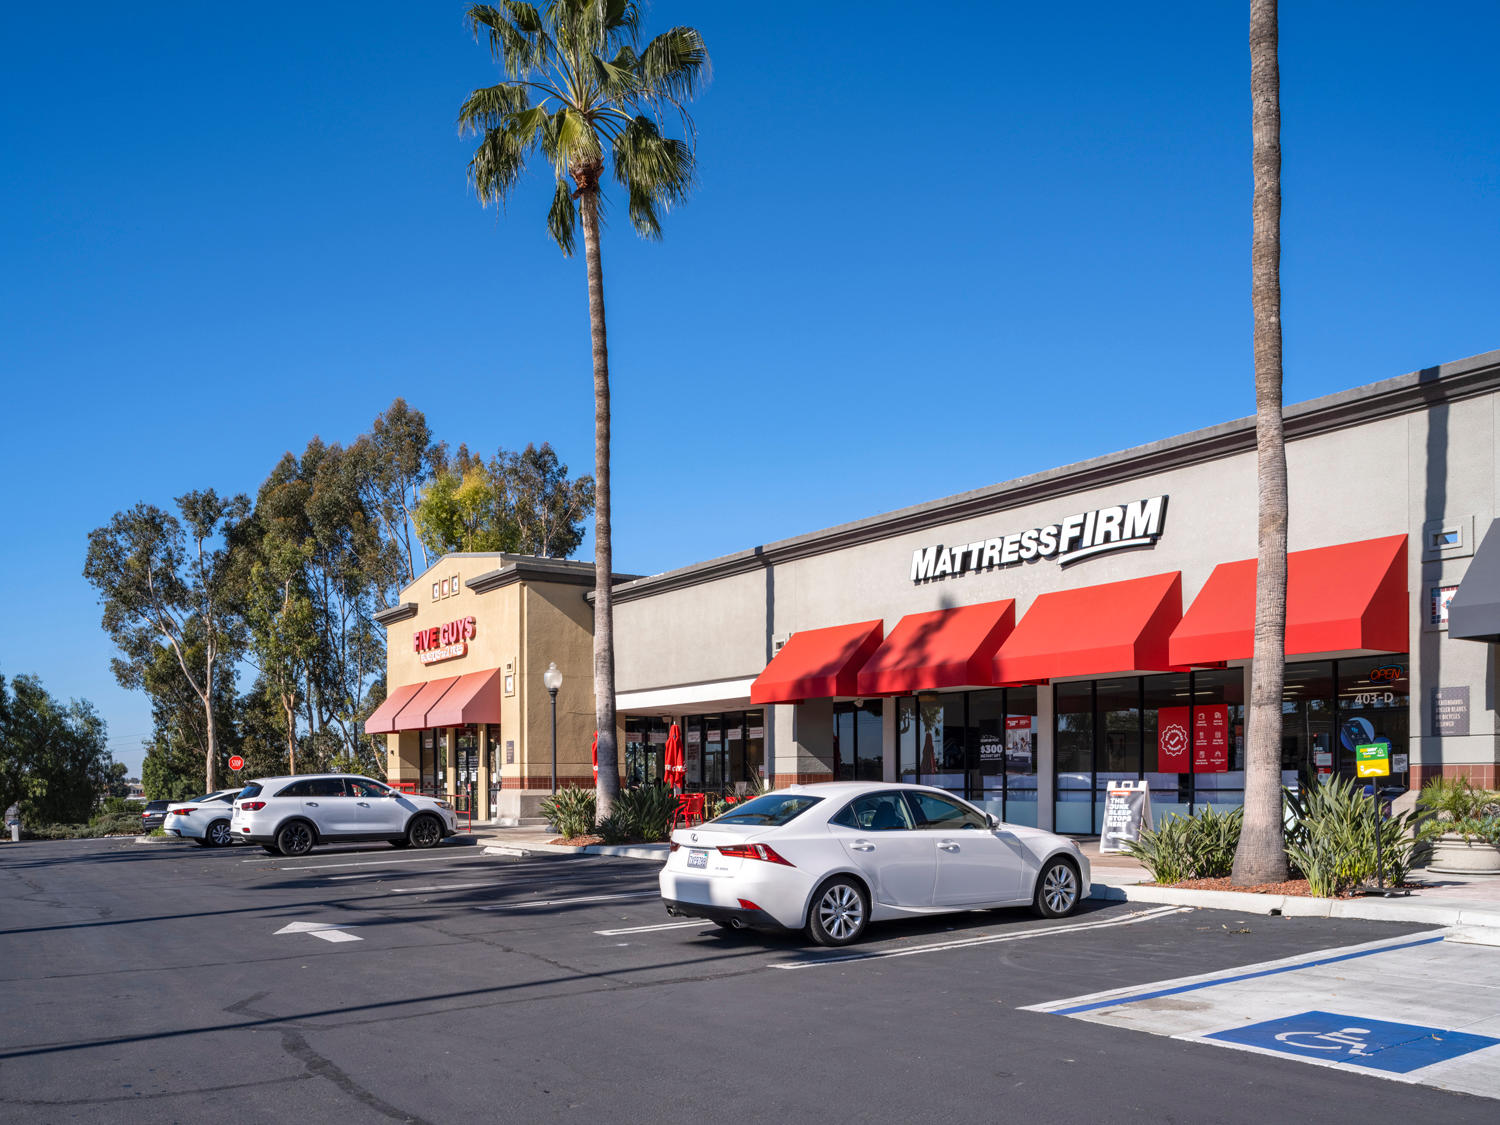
[571, 811]
[1331, 837]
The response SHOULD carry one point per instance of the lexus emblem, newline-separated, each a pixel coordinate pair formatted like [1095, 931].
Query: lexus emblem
[694, 835]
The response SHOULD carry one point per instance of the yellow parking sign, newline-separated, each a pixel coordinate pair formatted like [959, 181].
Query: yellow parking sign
[1372, 759]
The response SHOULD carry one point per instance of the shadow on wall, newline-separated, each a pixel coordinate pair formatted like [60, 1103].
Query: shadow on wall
[1429, 646]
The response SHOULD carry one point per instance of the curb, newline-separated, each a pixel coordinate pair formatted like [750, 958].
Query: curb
[619, 851]
[151, 839]
[1297, 906]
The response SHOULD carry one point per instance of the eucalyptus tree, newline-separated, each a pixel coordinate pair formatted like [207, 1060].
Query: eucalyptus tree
[580, 92]
[395, 461]
[173, 583]
[1261, 855]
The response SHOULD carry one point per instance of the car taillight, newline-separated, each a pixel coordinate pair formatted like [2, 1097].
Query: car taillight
[251, 806]
[675, 846]
[746, 904]
[754, 851]
[181, 812]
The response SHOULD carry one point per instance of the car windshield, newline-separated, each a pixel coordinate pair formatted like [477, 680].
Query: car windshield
[773, 808]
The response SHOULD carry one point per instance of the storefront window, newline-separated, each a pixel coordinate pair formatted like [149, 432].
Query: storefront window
[857, 750]
[1074, 709]
[466, 774]
[645, 744]
[715, 766]
[941, 736]
[1117, 704]
[1307, 730]
[906, 740]
[433, 765]
[1374, 706]
[1218, 737]
[1020, 756]
[755, 747]
[1166, 734]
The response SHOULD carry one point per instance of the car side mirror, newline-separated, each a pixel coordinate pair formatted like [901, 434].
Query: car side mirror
[993, 820]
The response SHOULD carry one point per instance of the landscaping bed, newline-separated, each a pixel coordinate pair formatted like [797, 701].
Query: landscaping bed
[1297, 887]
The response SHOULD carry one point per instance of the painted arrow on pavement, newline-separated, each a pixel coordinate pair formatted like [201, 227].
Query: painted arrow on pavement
[325, 930]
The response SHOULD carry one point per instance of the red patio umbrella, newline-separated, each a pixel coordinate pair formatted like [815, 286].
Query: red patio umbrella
[596, 759]
[672, 763]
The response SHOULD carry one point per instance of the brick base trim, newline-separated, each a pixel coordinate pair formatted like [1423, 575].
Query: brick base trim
[544, 781]
[1481, 774]
[784, 779]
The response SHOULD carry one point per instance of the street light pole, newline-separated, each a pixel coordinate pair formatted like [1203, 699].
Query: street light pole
[552, 680]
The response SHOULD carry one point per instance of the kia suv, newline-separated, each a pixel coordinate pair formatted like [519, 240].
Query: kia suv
[290, 815]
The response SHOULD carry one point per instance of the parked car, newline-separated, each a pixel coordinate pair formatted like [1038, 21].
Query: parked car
[205, 819]
[831, 858]
[153, 814]
[290, 815]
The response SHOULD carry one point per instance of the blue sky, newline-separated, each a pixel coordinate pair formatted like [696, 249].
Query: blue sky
[932, 249]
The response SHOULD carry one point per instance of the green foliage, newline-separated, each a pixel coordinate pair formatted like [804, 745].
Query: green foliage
[1189, 847]
[1461, 808]
[643, 812]
[520, 502]
[580, 87]
[571, 811]
[1330, 838]
[53, 757]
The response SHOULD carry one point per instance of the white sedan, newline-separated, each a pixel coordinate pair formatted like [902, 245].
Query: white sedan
[205, 819]
[832, 858]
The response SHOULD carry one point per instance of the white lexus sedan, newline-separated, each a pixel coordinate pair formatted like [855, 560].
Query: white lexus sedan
[205, 819]
[832, 858]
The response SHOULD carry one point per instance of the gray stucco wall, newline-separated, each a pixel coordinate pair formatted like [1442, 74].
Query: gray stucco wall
[1375, 461]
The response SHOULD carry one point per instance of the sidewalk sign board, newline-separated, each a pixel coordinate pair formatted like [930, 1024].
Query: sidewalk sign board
[1127, 809]
[1372, 759]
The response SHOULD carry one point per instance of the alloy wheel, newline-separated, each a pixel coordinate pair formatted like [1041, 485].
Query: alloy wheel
[426, 833]
[841, 912]
[219, 834]
[1060, 888]
[295, 839]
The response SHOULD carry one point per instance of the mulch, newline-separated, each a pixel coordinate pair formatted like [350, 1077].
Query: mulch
[1296, 887]
[577, 841]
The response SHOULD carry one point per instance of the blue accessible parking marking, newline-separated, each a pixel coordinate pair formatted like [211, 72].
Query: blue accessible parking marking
[1378, 1044]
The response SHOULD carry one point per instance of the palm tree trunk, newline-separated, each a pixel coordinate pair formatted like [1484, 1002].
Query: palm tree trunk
[608, 785]
[1261, 855]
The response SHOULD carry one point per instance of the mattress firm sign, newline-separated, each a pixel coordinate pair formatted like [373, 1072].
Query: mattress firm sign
[1136, 524]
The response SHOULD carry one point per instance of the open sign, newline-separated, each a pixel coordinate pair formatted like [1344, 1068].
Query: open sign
[1387, 672]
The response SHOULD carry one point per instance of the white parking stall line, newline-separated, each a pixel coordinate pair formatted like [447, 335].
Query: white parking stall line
[365, 862]
[987, 939]
[507, 868]
[531, 904]
[695, 924]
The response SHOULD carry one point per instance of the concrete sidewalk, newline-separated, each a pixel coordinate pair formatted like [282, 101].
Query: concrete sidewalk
[1470, 902]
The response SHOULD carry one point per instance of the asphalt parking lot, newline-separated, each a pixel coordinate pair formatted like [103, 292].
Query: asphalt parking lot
[165, 982]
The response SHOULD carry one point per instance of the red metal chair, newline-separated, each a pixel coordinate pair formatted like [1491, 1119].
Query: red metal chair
[689, 809]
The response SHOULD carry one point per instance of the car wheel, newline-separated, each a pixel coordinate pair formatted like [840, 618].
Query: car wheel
[1057, 890]
[840, 910]
[295, 839]
[425, 832]
[219, 834]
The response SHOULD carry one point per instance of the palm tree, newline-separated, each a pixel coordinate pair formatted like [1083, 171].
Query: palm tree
[577, 87]
[1261, 855]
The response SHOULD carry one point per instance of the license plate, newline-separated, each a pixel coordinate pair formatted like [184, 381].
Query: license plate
[698, 857]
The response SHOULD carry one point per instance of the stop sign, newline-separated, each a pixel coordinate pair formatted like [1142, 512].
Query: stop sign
[236, 763]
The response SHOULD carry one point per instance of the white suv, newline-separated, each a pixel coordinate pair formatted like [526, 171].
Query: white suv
[288, 815]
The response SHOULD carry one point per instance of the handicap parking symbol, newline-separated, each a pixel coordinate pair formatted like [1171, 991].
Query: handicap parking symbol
[1397, 1047]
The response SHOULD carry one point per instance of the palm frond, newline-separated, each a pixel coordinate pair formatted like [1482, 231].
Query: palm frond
[643, 213]
[489, 106]
[517, 36]
[674, 65]
[560, 218]
[497, 164]
[645, 161]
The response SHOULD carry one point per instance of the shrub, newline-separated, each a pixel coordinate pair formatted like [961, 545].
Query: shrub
[1462, 809]
[1330, 838]
[641, 813]
[571, 811]
[1189, 847]
[114, 824]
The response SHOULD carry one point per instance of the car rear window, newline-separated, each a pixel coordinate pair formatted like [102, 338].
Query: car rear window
[772, 809]
[156, 806]
[249, 791]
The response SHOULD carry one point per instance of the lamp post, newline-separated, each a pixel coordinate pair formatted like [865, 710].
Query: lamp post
[552, 679]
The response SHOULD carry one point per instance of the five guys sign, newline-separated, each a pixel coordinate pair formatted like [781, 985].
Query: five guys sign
[444, 642]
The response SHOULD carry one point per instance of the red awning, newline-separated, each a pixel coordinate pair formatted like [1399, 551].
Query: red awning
[414, 715]
[818, 663]
[474, 699]
[944, 648]
[382, 720]
[1352, 596]
[1094, 631]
